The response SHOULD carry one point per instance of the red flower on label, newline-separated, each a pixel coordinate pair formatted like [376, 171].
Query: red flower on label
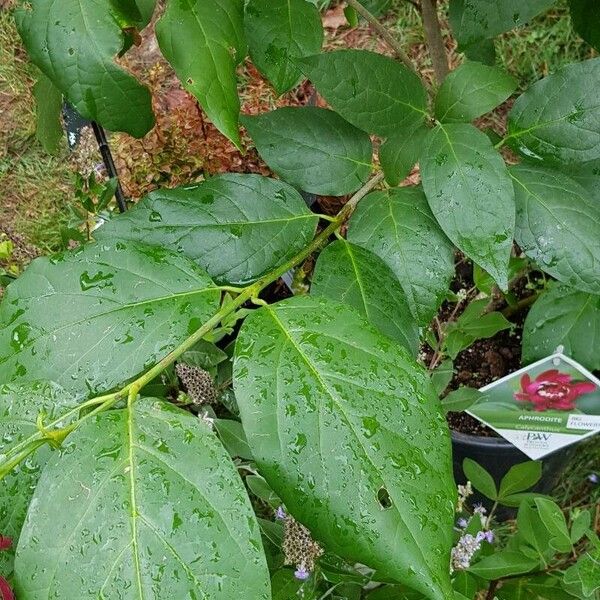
[552, 390]
[5, 591]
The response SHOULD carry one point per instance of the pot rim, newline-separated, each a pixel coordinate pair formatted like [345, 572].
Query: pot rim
[480, 440]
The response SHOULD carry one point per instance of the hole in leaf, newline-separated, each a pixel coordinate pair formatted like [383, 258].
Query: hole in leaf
[189, 81]
[384, 498]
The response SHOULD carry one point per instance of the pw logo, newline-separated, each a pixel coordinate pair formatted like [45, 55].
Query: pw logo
[538, 437]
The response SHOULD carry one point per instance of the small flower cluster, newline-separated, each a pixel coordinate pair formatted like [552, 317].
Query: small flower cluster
[5, 591]
[299, 548]
[464, 493]
[198, 384]
[466, 547]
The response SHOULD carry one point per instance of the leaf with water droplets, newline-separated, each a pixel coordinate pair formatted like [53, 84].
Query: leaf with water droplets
[204, 40]
[237, 227]
[565, 317]
[93, 318]
[74, 44]
[346, 428]
[20, 406]
[278, 33]
[141, 503]
[376, 93]
[471, 195]
[361, 279]
[557, 120]
[312, 148]
[558, 226]
[397, 225]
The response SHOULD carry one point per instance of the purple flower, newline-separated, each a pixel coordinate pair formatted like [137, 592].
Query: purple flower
[301, 573]
[462, 523]
[593, 478]
[489, 536]
[280, 513]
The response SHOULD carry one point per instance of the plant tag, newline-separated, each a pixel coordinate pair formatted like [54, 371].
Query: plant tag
[548, 405]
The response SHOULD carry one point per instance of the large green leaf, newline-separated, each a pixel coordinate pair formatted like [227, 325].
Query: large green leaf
[74, 44]
[588, 175]
[20, 406]
[585, 16]
[203, 40]
[558, 118]
[48, 105]
[142, 503]
[398, 226]
[312, 148]
[471, 195]
[558, 226]
[347, 430]
[236, 227]
[279, 32]
[471, 90]
[474, 20]
[503, 564]
[371, 91]
[93, 318]
[361, 279]
[565, 317]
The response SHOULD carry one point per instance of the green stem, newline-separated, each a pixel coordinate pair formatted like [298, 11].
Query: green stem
[435, 41]
[19, 452]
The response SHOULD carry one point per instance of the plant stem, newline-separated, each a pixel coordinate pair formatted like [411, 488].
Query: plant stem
[522, 304]
[492, 590]
[19, 452]
[435, 42]
[383, 32]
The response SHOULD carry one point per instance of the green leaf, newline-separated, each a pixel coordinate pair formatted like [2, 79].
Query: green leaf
[260, 488]
[503, 564]
[474, 20]
[558, 226]
[541, 587]
[564, 317]
[520, 477]
[284, 585]
[587, 175]
[312, 148]
[464, 583]
[233, 438]
[307, 366]
[20, 406]
[442, 375]
[398, 226]
[585, 573]
[204, 355]
[74, 44]
[237, 227]
[93, 318]
[278, 33]
[557, 119]
[470, 193]
[580, 525]
[555, 522]
[359, 278]
[474, 324]
[376, 93]
[399, 153]
[533, 536]
[204, 40]
[134, 12]
[585, 17]
[472, 90]
[482, 481]
[143, 502]
[48, 102]
[461, 399]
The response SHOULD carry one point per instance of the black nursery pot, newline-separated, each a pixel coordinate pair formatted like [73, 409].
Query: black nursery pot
[497, 456]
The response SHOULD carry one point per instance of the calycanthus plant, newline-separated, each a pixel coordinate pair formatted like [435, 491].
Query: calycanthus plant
[110, 491]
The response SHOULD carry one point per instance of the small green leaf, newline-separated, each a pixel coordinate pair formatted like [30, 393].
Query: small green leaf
[278, 33]
[557, 119]
[142, 502]
[74, 44]
[442, 375]
[284, 586]
[20, 407]
[464, 583]
[233, 438]
[204, 40]
[461, 399]
[472, 90]
[93, 318]
[359, 278]
[398, 226]
[306, 365]
[470, 193]
[585, 16]
[204, 355]
[48, 102]
[399, 153]
[376, 93]
[312, 148]
[503, 564]
[480, 478]
[565, 317]
[584, 575]
[533, 535]
[558, 226]
[520, 477]
[580, 525]
[261, 489]
[237, 227]
[554, 520]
